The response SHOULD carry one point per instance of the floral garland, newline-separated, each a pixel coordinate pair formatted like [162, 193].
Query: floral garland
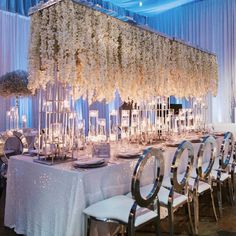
[97, 54]
[14, 84]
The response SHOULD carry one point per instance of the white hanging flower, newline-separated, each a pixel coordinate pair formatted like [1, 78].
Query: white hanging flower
[96, 54]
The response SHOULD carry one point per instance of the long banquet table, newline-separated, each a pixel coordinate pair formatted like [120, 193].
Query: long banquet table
[46, 200]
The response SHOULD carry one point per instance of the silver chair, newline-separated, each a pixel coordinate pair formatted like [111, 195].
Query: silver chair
[200, 181]
[4, 137]
[136, 212]
[232, 164]
[178, 191]
[5, 154]
[220, 173]
[174, 194]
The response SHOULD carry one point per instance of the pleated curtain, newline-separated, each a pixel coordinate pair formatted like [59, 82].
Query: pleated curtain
[14, 37]
[18, 6]
[211, 25]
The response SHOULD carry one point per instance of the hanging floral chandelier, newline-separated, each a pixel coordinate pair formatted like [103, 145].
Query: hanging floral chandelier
[97, 54]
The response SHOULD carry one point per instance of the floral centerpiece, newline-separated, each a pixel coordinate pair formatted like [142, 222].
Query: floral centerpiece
[14, 84]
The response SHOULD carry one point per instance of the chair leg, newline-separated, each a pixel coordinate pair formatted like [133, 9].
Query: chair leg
[1, 187]
[157, 226]
[196, 212]
[213, 206]
[233, 185]
[230, 189]
[88, 226]
[190, 217]
[171, 219]
[219, 197]
[157, 222]
[123, 230]
[131, 230]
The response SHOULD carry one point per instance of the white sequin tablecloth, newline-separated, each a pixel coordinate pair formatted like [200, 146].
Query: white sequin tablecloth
[46, 200]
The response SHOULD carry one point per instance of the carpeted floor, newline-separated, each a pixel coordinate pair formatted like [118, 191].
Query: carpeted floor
[208, 227]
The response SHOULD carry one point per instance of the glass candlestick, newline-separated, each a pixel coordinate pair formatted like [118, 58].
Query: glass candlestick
[24, 121]
[93, 125]
[125, 116]
[113, 125]
[101, 129]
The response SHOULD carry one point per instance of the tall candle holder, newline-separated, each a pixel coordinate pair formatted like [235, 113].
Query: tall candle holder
[199, 113]
[56, 122]
[134, 121]
[12, 118]
[113, 125]
[24, 121]
[93, 125]
[125, 119]
[190, 121]
[102, 129]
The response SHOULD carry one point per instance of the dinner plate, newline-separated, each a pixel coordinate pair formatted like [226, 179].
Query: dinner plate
[87, 166]
[174, 144]
[219, 133]
[195, 140]
[128, 155]
[90, 163]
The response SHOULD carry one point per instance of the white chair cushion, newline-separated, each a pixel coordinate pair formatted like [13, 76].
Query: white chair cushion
[178, 198]
[202, 187]
[223, 177]
[118, 208]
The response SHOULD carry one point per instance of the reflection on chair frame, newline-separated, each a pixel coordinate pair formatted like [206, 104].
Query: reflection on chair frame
[203, 178]
[222, 174]
[149, 204]
[233, 170]
[3, 140]
[179, 188]
[3, 155]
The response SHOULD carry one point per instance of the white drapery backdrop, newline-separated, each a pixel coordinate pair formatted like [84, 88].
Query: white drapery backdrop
[14, 35]
[211, 25]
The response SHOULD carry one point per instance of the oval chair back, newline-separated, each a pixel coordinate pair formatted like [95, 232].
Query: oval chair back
[232, 170]
[202, 181]
[224, 161]
[3, 140]
[24, 144]
[181, 186]
[146, 201]
[208, 140]
[227, 141]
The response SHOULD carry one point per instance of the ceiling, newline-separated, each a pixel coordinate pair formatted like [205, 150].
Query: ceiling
[147, 7]
[130, 7]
